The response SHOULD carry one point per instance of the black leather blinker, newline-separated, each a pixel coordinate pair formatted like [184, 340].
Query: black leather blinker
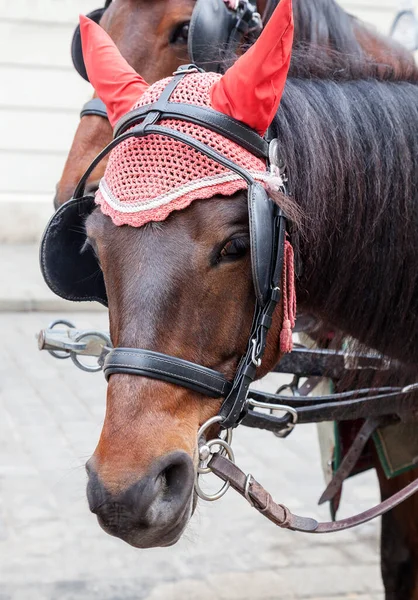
[69, 266]
[261, 213]
[216, 31]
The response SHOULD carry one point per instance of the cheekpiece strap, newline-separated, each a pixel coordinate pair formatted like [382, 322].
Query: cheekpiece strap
[234, 408]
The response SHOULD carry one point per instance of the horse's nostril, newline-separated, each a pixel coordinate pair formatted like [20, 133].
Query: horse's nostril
[174, 476]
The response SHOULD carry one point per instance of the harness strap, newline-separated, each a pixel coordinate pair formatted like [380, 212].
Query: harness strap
[314, 409]
[353, 455]
[280, 515]
[95, 107]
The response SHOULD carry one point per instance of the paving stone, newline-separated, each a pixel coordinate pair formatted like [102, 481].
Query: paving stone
[256, 584]
[188, 589]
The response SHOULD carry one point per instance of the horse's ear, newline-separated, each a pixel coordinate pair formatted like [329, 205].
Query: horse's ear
[251, 89]
[114, 80]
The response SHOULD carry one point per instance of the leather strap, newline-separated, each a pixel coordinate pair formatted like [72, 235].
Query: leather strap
[336, 407]
[147, 363]
[280, 515]
[95, 107]
[140, 131]
[330, 363]
[350, 459]
[200, 115]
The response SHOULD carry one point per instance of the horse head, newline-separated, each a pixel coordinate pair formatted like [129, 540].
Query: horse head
[183, 278]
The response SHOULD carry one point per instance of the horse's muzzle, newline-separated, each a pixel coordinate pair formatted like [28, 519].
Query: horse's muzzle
[152, 512]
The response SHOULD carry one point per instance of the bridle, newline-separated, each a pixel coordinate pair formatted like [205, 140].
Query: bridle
[267, 234]
[240, 404]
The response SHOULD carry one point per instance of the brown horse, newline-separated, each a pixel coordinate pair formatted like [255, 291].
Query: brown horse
[330, 128]
[152, 36]
[189, 414]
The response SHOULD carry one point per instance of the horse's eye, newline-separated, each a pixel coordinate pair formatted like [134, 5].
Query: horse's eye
[180, 34]
[234, 249]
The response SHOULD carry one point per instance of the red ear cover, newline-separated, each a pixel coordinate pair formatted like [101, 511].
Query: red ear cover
[114, 80]
[251, 90]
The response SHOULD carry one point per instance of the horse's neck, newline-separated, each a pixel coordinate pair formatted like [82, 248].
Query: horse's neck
[352, 158]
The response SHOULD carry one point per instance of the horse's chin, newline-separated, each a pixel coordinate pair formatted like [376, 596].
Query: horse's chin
[146, 537]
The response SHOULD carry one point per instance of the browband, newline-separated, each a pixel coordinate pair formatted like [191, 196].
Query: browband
[199, 115]
[149, 128]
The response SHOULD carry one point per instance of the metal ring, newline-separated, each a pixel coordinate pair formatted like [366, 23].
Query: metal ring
[69, 324]
[272, 407]
[212, 421]
[201, 469]
[226, 451]
[282, 388]
[60, 354]
[74, 356]
[212, 497]
[228, 440]
[208, 423]
[292, 387]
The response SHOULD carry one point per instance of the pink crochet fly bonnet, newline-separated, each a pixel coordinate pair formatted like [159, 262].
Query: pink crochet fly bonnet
[160, 174]
[148, 178]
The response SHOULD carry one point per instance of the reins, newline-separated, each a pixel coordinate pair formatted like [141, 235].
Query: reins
[281, 516]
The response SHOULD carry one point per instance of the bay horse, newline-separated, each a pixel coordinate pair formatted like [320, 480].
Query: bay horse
[375, 47]
[330, 128]
[153, 39]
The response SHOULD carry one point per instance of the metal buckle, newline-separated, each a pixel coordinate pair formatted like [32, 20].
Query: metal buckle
[273, 407]
[254, 354]
[277, 164]
[248, 481]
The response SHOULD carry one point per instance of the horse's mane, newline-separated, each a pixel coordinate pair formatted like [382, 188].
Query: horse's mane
[330, 43]
[325, 23]
[351, 149]
[319, 62]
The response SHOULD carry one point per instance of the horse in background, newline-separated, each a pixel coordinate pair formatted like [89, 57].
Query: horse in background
[152, 36]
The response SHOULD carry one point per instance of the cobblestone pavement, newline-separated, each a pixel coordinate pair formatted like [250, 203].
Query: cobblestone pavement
[52, 548]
